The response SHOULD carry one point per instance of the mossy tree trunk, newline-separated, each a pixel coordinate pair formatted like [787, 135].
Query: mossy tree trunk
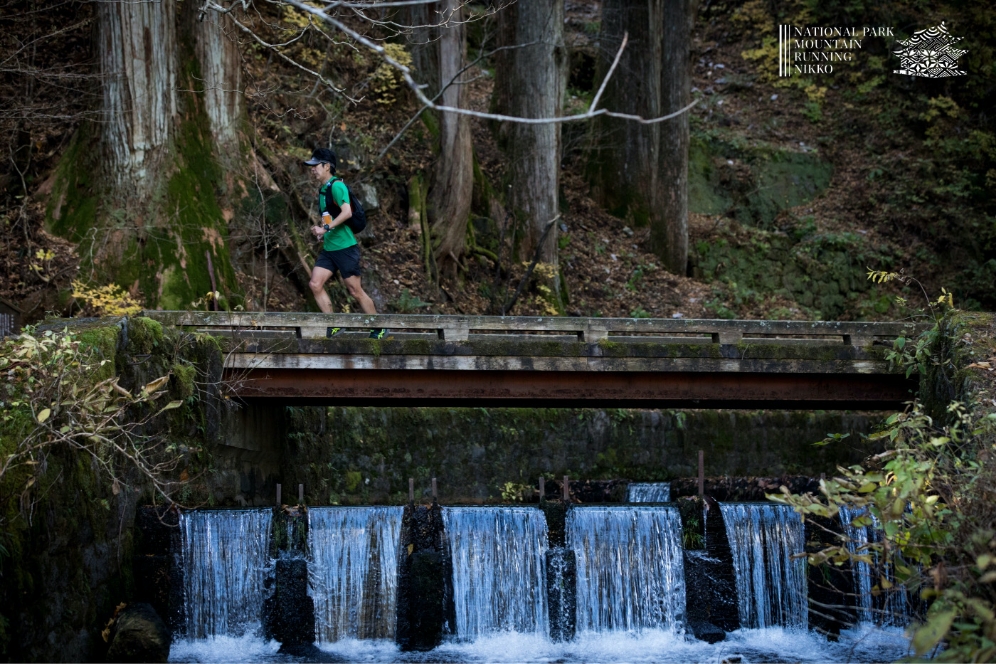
[138, 191]
[450, 198]
[138, 70]
[669, 229]
[530, 81]
[624, 166]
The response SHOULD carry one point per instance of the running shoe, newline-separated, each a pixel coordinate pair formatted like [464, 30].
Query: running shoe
[378, 333]
[332, 331]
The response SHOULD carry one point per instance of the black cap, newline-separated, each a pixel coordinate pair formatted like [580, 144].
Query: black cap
[323, 155]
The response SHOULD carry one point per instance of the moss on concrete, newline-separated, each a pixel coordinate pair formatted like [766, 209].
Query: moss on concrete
[69, 564]
[366, 455]
[144, 334]
[825, 273]
[751, 181]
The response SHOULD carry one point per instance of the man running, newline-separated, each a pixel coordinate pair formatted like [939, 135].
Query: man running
[340, 251]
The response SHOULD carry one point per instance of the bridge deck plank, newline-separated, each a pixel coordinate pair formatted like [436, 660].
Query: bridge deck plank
[590, 329]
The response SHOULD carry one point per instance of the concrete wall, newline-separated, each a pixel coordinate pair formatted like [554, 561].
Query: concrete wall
[366, 455]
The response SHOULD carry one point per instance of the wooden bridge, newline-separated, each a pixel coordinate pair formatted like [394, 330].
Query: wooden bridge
[531, 361]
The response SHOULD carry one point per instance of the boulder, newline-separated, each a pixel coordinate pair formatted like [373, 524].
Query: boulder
[140, 635]
[289, 614]
[706, 631]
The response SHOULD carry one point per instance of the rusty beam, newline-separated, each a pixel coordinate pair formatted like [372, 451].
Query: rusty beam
[568, 389]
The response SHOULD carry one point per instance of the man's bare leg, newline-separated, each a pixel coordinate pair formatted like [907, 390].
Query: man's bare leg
[356, 290]
[319, 275]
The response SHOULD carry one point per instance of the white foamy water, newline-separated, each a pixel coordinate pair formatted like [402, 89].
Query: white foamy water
[499, 579]
[771, 584]
[246, 648]
[353, 571]
[648, 492]
[630, 574]
[867, 644]
[225, 561]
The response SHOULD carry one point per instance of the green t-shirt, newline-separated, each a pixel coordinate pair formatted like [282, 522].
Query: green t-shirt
[331, 197]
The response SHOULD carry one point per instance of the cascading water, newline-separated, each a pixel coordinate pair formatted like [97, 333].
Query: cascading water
[894, 606]
[652, 492]
[353, 570]
[857, 540]
[225, 560]
[499, 578]
[771, 585]
[630, 573]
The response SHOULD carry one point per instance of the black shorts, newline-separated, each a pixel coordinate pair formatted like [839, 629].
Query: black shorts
[346, 261]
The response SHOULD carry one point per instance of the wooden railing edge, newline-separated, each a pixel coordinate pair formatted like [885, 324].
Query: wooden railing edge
[458, 327]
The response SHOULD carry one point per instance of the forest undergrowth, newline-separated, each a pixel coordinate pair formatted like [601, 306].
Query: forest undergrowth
[912, 163]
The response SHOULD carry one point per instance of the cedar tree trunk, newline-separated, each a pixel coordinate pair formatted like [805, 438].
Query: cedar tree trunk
[422, 38]
[450, 197]
[221, 71]
[624, 166]
[138, 67]
[530, 81]
[669, 230]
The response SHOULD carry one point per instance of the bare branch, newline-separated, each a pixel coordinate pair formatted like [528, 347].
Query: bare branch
[612, 69]
[592, 112]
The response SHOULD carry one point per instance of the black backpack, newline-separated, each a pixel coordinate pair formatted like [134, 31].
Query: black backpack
[358, 221]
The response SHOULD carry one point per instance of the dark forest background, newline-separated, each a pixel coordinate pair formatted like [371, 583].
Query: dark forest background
[139, 139]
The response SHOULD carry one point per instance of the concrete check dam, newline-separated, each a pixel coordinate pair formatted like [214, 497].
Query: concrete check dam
[439, 360]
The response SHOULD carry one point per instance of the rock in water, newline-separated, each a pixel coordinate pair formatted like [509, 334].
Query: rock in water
[140, 635]
[706, 631]
[289, 614]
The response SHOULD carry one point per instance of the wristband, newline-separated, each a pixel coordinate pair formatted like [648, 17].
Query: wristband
[326, 227]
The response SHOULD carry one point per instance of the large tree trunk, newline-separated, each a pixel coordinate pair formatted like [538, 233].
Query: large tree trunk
[138, 66]
[530, 82]
[624, 166]
[669, 231]
[422, 43]
[221, 73]
[451, 194]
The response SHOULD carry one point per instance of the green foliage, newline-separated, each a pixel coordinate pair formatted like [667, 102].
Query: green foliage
[932, 493]
[56, 397]
[408, 303]
[691, 538]
[823, 273]
[512, 492]
[812, 111]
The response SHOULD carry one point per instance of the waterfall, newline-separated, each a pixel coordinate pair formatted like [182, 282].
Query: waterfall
[894, 603]
[225, 560]
[653, 492]
[499, 577]
[857, 539]
[630, 573]
[771, 585]
[353, 571]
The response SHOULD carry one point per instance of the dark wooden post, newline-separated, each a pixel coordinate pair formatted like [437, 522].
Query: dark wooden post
[701, 473]
[278, 495]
